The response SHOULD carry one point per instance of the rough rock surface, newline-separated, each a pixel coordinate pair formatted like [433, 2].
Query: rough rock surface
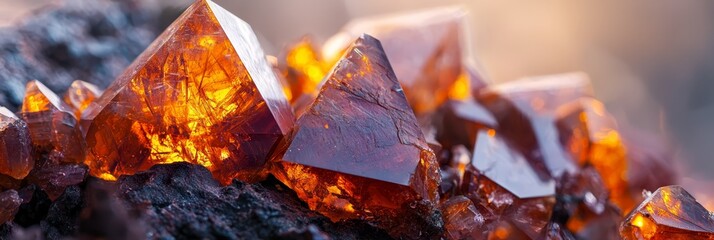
[74, 39]
[177, 201]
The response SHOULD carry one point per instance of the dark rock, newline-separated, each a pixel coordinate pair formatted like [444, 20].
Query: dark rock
[93, 40]
[184, 201]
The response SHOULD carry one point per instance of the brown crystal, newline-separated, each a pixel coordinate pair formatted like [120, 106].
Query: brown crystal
[424, 47]
[553, 231]
[462, 220]
[668, 213]
[526, 113]
[501, 178]
[55, 178]
[79, 95]
[460, 121]
[15, 146]
[202, 93]
[9, 204]
[358, 152]
[53, 128]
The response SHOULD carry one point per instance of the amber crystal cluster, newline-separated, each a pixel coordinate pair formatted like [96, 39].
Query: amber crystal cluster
[395, 127]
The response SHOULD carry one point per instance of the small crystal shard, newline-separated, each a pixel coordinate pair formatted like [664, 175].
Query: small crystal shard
[553, 231]
[55, 178]
[79, 95]
[202, 93]
[668, 213]
[53, 128]
[9, 204]
[502, 178]
[15, 147]
[424, 47]
[462, 220]
[358, 151]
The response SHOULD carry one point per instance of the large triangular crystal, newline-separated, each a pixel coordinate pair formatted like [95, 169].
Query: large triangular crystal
[202, 93]
[357, 151]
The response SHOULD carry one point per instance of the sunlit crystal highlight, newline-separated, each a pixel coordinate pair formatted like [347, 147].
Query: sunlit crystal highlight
[203, 93]
[79, 95]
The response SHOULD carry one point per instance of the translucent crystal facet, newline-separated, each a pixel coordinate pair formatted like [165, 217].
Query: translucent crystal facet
[79, 95]
[304, 71]
[53, 128]
[669, 213]
[15, 146]
[502, 179]
[357, 151]
[203, 93]
[424, 47]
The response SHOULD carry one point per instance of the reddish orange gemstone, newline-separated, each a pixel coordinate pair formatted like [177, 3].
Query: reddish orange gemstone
[9, 204]
[202, 93]
[52, 125]
[669, 213]
[15, 146]
[502, 180]
[358, 151]
[424, 47]
[79, 95]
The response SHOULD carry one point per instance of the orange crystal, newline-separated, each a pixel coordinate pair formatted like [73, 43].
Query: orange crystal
[590, 133]
[79, 95]
[358, 152]
[203, 92]
[53, 128]
[15, 147]
[304, 70]
[462, 219]
[501, 179]
[668, 213]
[424, 47]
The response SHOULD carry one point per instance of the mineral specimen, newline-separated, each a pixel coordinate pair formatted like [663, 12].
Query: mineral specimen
[358, 152]
[459, 122]
[669, 213]
[424, 48]
[502, 180]
[203, 93]
[53, 128]
[79, 95]
[15, 146]
[9, 204]
[55, 178]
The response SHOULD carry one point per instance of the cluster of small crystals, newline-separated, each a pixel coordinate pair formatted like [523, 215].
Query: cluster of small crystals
[388, 131]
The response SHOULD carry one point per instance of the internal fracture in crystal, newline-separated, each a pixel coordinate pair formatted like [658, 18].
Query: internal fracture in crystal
[202, 93]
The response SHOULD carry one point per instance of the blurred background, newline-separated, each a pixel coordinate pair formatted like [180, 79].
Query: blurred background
[651, 61]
